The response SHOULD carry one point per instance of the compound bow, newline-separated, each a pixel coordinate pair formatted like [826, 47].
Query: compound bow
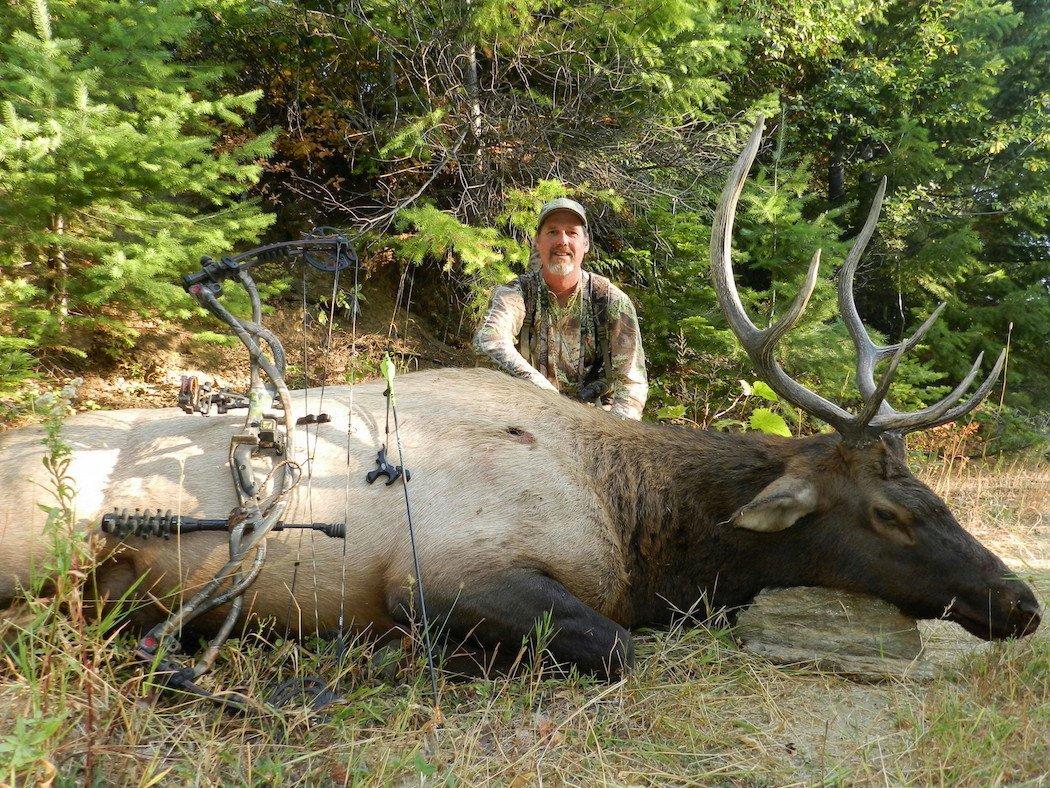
[268, 431]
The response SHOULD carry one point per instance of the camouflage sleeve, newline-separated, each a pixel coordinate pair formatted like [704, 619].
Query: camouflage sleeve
[496, 338]
[630, 386]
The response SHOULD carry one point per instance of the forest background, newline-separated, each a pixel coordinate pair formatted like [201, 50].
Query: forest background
[136, 137]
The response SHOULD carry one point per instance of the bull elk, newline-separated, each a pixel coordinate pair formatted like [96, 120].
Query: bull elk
[528, 504]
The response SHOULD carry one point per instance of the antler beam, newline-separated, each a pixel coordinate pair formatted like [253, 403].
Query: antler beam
[875, 415]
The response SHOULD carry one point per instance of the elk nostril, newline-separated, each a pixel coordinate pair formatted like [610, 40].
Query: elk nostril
[1027, 616]
[1027, 603]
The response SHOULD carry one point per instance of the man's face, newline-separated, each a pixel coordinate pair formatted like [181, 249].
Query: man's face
[562, 243]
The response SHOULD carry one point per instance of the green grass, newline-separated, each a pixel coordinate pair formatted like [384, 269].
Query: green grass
[697, 711]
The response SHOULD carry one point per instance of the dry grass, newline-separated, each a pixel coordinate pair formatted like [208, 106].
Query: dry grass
[697, 711]
[1004, 502]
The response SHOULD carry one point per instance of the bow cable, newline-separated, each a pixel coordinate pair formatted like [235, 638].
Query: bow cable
[346, 488]
[389, 370]
[311, 451]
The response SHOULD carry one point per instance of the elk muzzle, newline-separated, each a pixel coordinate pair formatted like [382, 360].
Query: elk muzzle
[1007, 608]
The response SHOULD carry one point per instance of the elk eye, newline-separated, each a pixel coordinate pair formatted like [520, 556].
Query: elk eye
[885, 515]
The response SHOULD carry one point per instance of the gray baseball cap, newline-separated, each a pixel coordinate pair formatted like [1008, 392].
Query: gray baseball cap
[561, 204]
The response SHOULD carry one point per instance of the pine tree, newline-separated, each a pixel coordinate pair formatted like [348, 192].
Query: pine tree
[112, 175]
[947, 99]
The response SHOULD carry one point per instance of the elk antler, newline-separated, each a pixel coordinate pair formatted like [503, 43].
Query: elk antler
[875, 415]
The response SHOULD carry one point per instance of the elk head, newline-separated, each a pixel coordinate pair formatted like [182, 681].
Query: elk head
[858, 518]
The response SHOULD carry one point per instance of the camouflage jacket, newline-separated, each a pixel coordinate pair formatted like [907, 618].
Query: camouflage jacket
[564, 344]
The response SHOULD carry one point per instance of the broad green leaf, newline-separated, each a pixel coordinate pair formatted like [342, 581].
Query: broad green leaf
[765, 420]
[670, 412]
[760, 389]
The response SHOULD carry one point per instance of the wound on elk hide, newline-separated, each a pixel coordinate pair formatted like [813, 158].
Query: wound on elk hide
[522, 436]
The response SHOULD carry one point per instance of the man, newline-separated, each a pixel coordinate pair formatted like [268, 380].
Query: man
[566, 329]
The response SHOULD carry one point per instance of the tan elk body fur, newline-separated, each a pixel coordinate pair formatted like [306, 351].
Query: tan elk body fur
[483, 500]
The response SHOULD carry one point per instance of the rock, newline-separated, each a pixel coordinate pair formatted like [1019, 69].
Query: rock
[852, 634]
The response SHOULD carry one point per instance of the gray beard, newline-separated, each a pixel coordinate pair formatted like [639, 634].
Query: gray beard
[560, 269]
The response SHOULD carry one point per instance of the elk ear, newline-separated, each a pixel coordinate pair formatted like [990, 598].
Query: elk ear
[778, 506]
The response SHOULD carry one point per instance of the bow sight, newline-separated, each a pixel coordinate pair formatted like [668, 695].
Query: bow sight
[268, 432]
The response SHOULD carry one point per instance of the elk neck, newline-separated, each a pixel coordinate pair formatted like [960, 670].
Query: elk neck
[670, 493]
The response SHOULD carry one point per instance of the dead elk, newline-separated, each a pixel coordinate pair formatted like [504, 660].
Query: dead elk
[528, 504]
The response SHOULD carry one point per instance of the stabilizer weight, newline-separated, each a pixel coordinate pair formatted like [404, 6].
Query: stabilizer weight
[146, 524]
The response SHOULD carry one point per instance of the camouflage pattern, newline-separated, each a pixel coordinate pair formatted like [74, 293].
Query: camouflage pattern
[559, 341]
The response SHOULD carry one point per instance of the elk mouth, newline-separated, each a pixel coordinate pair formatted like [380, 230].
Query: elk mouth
[1019, 620]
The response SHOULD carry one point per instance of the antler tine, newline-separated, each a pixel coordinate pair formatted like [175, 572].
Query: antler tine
[760, 344]
[903, 421]
[961, 410]
[722, 241]
[773, 335]
[877, 401]
[889, 419]
[920, 332]
[877, 415]
[868, 353]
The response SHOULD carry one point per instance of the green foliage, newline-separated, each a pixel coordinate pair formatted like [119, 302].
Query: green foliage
[439, 127]
[114, 174]
[1011, 430]
[765, 420]
[760, 389]
[29, 744]
[440, 236]
[636, 109]
[69, 547]
[670, 412]
[943, 98]
[482, 255]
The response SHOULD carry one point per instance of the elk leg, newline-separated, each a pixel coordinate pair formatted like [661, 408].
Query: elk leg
[501, 613]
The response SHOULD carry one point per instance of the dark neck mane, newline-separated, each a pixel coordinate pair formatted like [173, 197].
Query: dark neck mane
[670, 492]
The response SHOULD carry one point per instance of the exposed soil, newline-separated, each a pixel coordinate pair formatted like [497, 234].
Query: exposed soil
[149, 375]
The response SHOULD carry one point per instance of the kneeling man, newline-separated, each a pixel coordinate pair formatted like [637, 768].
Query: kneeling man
[564, 328]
